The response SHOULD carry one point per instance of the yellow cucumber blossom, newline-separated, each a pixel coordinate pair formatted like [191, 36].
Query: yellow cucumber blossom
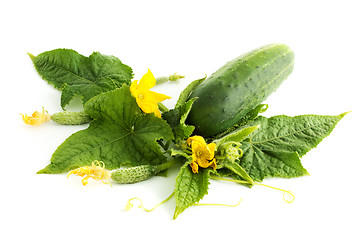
[96, 171]
[147, 100]
[36, 118]
[202, 153]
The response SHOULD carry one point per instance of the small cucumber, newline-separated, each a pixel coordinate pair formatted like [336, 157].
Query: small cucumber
[71, 118]
[139, 173]
[172, 78]
[238, 87]
[133, 174]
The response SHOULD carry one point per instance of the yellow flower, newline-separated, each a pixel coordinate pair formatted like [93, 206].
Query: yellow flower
[96, 171]
[147, 100]
[36, 118]
[202, 153]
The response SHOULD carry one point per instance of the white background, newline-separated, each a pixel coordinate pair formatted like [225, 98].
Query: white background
[193, 38]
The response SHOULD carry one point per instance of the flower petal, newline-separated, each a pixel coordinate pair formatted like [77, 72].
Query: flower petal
[36, 118]
[194, 167]
[198, 139]
[147, 81]
[134, 88]
[213, 164]
[158, 96]
[211, 148]
[96, 171]
[203, 162]
[202, 153]
[146, 106]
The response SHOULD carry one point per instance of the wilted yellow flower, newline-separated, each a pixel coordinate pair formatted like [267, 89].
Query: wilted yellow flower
[202, 153]
[36, 118]
[147, 100]
[96, 171]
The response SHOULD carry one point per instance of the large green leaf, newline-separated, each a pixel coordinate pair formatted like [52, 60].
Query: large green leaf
[295, 134]
[274, 150]
[190, 187]
[120, 134]
[260, 164]
[176, 119]
[77, 75]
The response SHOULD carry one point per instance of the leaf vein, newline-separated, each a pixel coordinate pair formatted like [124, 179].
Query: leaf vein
[68, 71]
[286, 135]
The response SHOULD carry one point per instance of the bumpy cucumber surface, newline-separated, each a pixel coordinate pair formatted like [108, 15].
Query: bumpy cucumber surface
[133, 174]
[238, 87]
[139, 173]
[71, 118]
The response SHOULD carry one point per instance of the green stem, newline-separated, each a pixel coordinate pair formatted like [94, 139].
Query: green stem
[167, 145]
[162, 107]
[289, 193]
[161, 144]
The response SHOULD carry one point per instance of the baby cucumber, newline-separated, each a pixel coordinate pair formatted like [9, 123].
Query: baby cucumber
[71, 118]
[139, 173]
[238, 87]
[133, 174]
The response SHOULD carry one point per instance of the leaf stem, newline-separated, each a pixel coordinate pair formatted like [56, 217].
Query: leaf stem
[166, 165]
[162, 107]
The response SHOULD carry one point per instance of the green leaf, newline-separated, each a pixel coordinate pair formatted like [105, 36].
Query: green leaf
[260, 164]
[77, 75]
[238, 170]
[274, 150]
[253, 114]
[119, 135]
[190, 188]
[237, 136]
[293, 134]
[181, 153]
[249, 117]
[176, 119]
[184, 95]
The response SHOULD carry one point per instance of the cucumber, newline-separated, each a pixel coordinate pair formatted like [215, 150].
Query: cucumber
[139, 173]
[133, 174]
[71, 118]
[238, 87]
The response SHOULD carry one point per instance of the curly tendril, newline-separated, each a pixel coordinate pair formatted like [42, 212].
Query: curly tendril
[130, 204]
[285, 192]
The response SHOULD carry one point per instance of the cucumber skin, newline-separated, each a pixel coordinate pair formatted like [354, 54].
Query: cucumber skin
[238, 87]
[71, 118]
[133, 174]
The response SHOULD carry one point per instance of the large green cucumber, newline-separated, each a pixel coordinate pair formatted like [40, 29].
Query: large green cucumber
[238, 87]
